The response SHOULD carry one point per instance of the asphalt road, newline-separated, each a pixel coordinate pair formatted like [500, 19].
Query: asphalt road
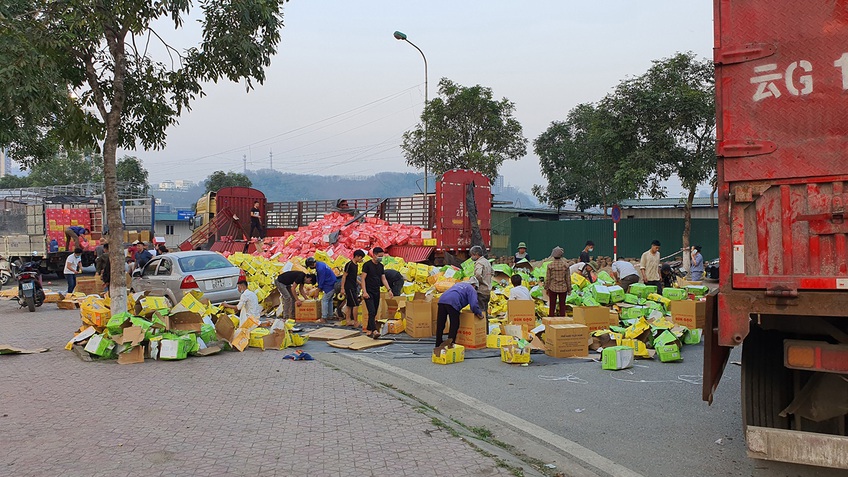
[650, 418]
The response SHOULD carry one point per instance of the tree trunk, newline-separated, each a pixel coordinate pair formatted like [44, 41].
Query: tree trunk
[118, 282]
[471, 205]
[687, 228]
[712, 194]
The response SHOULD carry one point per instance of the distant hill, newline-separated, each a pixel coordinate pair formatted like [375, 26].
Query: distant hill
[280, 187]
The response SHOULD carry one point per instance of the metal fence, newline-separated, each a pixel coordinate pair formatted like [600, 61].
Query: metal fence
[634, 236]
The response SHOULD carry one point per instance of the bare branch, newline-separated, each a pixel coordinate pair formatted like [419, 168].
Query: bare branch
[92, 77]
[168, 47]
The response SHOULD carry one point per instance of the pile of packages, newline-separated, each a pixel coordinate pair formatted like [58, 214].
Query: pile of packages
[150, 328]
[318, 236]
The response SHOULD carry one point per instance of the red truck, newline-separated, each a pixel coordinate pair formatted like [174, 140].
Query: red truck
[444, 216]
[782, 131]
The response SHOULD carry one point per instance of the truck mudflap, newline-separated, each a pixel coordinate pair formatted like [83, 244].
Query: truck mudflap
[811, 448]
[715, 358]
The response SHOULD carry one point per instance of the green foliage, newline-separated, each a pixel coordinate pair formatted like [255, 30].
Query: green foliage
[465, 128]
[586, 159]
[72, 167]
[13, 182]
[130, 169]
[220, 179]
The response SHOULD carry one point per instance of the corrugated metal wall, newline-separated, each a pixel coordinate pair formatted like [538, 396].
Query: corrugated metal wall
[634, 236]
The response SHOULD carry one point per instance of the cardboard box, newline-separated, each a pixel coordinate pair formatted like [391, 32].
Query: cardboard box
[309, 310]
[693, 337]
[87, 285]
[567, 341]
[67, 304]
[668, 353]
[674, 294]
[689, 313]
[395, 308]
[147, 305]
[617, 357]
[133, 356]
[514, 355]
[556, 320]
[51, 297]
[256, 338]
[181, 321]
[614, 319]
[521, 312]
[450, 355]
[472, 331]
[421, 317]
[276, 340]
[100, 345]
[594, 317]
[499, 341]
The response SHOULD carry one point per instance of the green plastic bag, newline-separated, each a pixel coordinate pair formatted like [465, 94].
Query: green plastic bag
[541, 271]
[503, 268]
[537, 292]
[468, 268]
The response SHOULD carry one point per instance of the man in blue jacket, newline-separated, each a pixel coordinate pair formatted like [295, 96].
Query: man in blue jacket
[326, 283]
[456, 298]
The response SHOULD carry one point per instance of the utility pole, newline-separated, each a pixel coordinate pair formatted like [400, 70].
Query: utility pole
[244, 158]
[271, 158]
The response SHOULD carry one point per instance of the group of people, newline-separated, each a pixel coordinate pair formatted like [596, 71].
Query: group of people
[558, 285]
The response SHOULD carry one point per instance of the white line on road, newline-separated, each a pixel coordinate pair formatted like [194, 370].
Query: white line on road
[569, 447]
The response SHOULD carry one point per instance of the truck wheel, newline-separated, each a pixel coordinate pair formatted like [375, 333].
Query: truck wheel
[766, 383]
[30, 301]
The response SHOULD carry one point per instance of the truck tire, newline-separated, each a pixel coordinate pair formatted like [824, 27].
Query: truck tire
[766, 383]
[30, 301]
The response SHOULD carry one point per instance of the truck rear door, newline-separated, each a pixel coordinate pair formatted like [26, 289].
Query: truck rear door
[782, 113]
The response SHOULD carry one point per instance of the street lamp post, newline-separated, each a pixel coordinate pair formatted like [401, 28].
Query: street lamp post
[402, 36]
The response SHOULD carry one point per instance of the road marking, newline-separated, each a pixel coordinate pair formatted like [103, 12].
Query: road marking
[568, 447]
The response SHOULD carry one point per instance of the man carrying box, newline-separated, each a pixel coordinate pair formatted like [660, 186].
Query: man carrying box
[326, 283]
[456, 298]
[286, 283]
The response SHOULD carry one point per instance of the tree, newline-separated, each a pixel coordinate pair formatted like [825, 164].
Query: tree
[67, 167]
[130, 169]
[587, 159]
[13, 182]
[220, 179]
[80, 73]
[465, 128]
[673, 104]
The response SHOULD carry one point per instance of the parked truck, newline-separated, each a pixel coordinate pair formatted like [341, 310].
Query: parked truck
[33, 221]
[782, 130]
[444, 216]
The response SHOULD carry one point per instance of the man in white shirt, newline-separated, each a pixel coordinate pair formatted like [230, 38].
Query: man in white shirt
[519, 291]
[624, 273]
[73, 266]
[248, 304]
[649, 265]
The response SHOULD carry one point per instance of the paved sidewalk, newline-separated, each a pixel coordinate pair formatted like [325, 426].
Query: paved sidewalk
[249, 413]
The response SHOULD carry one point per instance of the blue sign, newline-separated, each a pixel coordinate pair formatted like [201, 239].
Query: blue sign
[184, 214]
[616, 213]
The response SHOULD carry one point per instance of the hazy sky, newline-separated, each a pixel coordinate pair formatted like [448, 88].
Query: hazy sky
[341, 90]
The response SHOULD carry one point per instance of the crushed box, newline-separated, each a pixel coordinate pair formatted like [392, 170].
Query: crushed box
[450, 355]
[617, 357]
[514, 355]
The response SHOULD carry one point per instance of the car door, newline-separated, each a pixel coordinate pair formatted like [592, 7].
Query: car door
[148, 279]
[168, 277]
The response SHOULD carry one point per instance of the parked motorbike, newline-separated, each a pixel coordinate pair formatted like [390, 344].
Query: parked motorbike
[30, 292]
[5, 271]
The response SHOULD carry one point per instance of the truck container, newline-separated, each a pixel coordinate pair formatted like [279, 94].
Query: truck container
[34, 217]
[782, 132]
[443, 215]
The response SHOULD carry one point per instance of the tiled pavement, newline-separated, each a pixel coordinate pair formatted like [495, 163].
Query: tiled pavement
[249, 413]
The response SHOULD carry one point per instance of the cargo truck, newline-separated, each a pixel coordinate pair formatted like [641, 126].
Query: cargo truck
[34, 219]
[782, 146]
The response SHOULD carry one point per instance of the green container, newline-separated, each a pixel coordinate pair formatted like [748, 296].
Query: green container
[641, 290]
[697, 290]
[115, 325]
[100, 345]
[693, 337]
[668, 353]
[674, 294]
[600, 293]
[632, 299]
[652, 305]
[503, 268]
[174, 349]
[588, 300]
[633, 312]
[574, 299]
[617, 357]
[616, 294]
[605, 278]
[207, 333]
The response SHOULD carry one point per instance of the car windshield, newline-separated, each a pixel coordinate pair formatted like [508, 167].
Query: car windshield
[203, 262]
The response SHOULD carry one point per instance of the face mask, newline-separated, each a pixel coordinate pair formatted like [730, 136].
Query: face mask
[591, 249]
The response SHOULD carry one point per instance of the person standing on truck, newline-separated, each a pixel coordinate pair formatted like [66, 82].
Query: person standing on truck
[373, 276]
[483, 272]
[73, 266]
[557, 282]
[696, 273]
[585, 256]
[286, 282]
[350, 286]
[624, 273]
[649, 265]
[256, 221]
[74, 232]
[326, 283]
[521, 254]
